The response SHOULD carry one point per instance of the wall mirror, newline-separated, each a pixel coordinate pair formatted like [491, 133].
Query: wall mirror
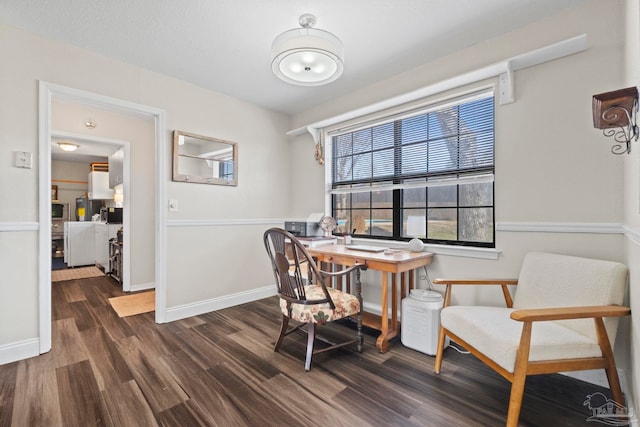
[204, 160]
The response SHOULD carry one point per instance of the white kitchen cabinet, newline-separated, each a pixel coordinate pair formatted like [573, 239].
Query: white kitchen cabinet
[103, 232]
[99, 186]
[116, 168]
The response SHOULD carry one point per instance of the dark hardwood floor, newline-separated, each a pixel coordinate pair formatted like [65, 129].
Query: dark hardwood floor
[219, 369]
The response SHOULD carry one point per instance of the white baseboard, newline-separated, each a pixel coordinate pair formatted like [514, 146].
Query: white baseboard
[142, 287]
[593, 376]
[19, 350]
[206, 306]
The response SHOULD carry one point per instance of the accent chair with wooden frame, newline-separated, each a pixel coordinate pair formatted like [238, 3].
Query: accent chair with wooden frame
[553, 324]
[305, 296]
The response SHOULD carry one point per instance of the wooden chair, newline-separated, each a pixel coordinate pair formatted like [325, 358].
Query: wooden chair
[304, 294]
[554, 323]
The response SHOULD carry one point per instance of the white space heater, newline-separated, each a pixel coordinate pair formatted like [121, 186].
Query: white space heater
[421, 321]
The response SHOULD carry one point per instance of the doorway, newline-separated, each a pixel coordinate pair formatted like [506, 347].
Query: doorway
[48, 93]
[69, 179]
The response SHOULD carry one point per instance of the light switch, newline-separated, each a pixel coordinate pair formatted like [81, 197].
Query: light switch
[173, 205]
[23, 159]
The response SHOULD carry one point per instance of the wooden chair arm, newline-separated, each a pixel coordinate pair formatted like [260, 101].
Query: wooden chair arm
[343, 272]
[475, 281]
[501, 282]
[563, 313]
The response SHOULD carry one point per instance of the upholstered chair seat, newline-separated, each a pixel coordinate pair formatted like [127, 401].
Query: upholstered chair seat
[345, 305]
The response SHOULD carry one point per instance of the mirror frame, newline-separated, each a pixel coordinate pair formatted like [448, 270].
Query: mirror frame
[177, 176]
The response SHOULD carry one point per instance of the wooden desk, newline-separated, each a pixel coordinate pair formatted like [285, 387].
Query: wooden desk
[397, 263]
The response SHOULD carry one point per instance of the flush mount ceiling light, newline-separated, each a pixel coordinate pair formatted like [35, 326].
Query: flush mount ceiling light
[307, 56]
[68, 146]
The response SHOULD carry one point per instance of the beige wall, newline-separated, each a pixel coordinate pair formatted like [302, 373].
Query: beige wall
[552, 166]
[70, 171]
[261, 197]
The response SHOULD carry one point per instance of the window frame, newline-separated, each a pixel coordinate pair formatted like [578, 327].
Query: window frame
[399, 209]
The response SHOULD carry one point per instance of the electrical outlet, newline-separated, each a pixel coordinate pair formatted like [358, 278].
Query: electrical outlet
[23, 159]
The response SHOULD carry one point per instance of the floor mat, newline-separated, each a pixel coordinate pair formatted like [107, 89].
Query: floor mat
[75, 273]
[133, 304]
[58, 264]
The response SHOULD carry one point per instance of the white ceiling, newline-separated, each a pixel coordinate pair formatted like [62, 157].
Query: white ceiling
[224, 45]
[88, 151]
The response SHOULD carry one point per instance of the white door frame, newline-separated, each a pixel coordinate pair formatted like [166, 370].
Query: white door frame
[48, 91]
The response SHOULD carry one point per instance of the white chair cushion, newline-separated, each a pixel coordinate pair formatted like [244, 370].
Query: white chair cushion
[553, 280]
[492, 332]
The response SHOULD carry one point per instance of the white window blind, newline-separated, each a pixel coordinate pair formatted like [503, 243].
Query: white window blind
[434, 165]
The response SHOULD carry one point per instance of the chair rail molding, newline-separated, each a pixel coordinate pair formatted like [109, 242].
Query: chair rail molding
[19, 226]
[632, 234]
[222, 222]
[562, 227]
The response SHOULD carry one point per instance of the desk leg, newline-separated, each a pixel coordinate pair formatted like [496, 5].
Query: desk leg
[338, 284]
[382, 343]
[394, 302]
[386, 332]
[403, 286]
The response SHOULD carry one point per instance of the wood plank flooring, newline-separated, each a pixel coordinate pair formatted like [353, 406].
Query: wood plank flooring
[219, 369]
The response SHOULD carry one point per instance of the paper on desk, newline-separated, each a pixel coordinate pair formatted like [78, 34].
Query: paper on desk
[315, 217]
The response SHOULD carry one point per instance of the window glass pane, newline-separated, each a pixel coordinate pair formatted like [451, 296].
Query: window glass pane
[442, 224]
[360, 221]
[443, 155]
[361, 200]
[383, 136]
[362, 141]
[414, 223]
[342, 201]
[414, 197]
[443, 123]
[476, 194]
[342, 145]
[414, 129]
[442, 196]
[476, 150]
[383, 163]
[342, 169]
[382, 199]
[476, 116]
[362, 166]
[476, 224]
[343, 218]
[414, 158]
[381, 222]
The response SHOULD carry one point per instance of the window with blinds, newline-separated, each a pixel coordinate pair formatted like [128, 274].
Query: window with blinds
[426, 174]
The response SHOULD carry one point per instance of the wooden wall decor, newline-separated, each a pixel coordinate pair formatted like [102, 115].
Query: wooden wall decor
[615, 112]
